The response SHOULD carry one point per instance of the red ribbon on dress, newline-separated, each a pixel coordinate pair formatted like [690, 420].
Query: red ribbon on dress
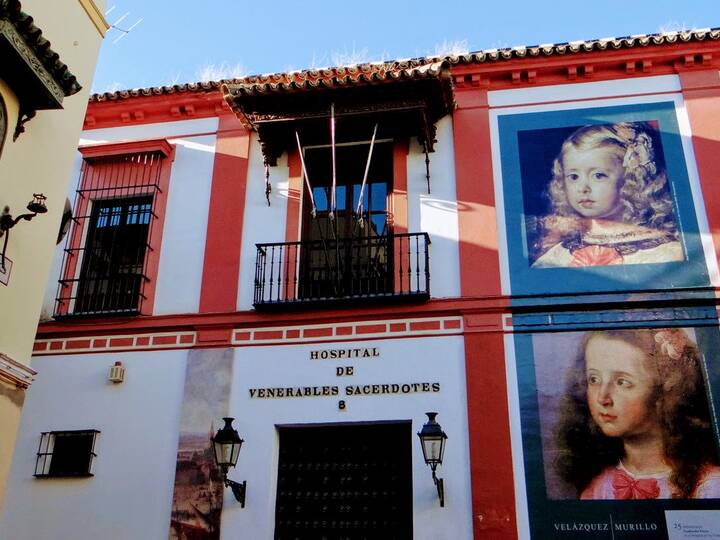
[595, 256]
[626, 487]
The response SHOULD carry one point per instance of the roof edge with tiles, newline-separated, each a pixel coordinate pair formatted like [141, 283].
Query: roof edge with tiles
[409, 69]
[11, 10]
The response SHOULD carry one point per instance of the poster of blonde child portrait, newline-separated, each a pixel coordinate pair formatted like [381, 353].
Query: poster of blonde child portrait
[608, 201]
[633, 419]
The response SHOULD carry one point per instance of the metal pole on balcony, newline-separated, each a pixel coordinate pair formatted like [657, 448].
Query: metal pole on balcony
[313, 211]
[365, 176]
[333, 202]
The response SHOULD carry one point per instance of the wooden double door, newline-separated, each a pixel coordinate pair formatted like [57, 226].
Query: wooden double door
[345, 482]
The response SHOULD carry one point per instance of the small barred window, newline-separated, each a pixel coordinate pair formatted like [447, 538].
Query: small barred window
[66, 453]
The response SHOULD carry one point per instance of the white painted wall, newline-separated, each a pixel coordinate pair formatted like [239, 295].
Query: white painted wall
[263, 223]
[436, 213]
[435, 359]
[185, 228]
[130, 496]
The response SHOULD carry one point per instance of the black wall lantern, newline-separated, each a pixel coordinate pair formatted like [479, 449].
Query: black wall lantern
[226, 448]
[7, 222]
[432, 440]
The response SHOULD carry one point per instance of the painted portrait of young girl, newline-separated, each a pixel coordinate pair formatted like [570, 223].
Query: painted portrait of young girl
[609, 201]
[635, 420]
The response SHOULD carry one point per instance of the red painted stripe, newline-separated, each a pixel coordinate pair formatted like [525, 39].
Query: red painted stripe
[317, 332]
[294, 205]
[143, 341]
[425, 325]
[155, 235]
[242, 336]
[221, 266]
[451, 325]
[400, 186]
[398, 327]
[479, 261]
[370, 328]
[290, 334]
[343, 331]
[77, 344]
[493, 493]
[40, 346]
[608, 64]
[186, 338]
[121, 342]
[700, 90]
[164, 340]
[240, 321]
[399, 203]
[153, 109]
[56, 345]
[99, 343]
[268, 334]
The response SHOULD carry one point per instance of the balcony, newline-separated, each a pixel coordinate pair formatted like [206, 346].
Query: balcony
[324, 273]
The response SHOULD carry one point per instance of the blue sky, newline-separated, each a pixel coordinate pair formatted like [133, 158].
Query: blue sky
[178, 41]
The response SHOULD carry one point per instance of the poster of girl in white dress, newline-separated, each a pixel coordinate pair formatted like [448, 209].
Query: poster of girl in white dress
[599, 192]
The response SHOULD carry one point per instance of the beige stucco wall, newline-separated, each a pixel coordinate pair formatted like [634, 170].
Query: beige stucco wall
[40, 161]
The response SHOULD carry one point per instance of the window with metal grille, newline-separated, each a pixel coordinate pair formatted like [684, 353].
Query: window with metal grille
[106, 256]
[66, 453]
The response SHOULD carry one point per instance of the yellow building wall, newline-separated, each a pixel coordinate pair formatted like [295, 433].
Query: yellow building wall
[40, 161]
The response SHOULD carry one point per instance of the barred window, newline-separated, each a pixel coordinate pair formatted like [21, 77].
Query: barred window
[106, 256]
[66, 453]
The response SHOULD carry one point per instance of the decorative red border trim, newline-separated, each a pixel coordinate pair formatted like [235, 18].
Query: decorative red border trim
[348, 331]
[154, 109]
[587, 66]
[223, 244]
[484, 316]
[114, 343]
[267, 335]
[103, 150]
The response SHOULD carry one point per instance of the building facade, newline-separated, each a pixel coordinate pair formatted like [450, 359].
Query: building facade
[48, 51]
[522, 241]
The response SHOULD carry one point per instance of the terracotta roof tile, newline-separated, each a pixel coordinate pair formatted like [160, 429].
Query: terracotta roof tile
[411, 68]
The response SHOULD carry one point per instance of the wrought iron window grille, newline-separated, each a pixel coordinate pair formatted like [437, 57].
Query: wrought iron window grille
[105, 257]
[64, 454]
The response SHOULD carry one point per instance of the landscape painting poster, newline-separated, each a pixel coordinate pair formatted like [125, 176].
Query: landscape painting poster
[198, 495]
[619, 430]
[598, 199]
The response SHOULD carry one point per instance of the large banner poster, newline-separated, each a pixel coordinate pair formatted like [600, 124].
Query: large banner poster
[198, 493]
[620, 432]
[598, 200]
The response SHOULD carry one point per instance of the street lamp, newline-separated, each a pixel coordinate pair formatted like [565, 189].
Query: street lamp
[226, 448]
[432, 441]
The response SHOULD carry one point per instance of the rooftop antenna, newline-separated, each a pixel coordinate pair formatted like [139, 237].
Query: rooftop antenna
[123, 32]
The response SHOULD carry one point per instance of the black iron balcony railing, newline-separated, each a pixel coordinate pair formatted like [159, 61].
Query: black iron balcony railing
[317, 272]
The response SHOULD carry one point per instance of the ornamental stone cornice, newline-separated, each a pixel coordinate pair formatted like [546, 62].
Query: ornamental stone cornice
[30, 67]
